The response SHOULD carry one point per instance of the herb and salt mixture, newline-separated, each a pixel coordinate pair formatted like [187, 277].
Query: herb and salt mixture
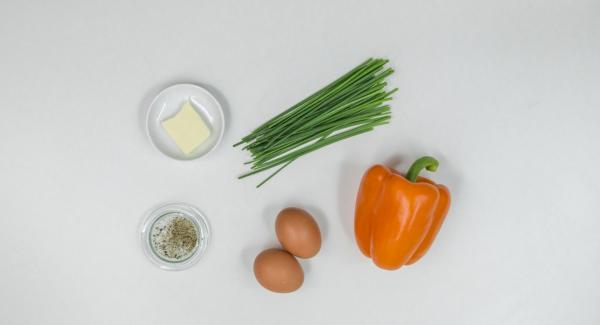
[174, 237]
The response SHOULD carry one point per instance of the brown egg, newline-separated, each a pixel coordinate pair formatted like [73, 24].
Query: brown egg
[278, 271]
[298, 232]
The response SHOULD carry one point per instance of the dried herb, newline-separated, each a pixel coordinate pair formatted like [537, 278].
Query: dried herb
[175, 238]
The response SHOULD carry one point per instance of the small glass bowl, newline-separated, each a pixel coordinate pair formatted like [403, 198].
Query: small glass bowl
[184, 210]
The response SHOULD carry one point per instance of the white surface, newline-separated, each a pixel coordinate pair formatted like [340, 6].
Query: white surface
[168, 103]
[504, 93]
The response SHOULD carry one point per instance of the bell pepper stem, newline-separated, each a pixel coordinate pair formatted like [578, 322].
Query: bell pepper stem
[429, 163]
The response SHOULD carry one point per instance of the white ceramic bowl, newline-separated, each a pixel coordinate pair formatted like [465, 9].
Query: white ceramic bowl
[168, 102]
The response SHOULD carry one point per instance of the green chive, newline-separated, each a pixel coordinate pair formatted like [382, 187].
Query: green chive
[351, 105]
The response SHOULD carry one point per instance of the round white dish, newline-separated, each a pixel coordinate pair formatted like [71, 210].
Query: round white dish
[168, 102]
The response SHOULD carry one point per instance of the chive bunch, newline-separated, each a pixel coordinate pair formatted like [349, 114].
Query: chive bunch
[349, 106]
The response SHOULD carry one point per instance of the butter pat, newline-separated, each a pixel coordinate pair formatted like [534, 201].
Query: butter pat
[187, 128]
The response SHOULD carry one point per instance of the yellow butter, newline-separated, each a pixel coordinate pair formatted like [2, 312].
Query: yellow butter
[187, 129]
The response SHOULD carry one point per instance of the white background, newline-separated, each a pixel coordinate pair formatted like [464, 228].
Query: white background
[505, 93]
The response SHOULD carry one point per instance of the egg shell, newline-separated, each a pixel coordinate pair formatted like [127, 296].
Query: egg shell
[298, 232]
[278, 271]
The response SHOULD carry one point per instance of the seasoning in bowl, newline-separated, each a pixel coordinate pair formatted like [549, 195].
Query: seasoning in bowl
[174, 237]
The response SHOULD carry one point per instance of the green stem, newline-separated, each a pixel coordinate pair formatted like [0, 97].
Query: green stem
[350, 105]
[429, 163]
[315, 146]
[275, 173]
[326, 91]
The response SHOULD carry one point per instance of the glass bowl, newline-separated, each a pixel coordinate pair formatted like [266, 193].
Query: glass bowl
[169, 210]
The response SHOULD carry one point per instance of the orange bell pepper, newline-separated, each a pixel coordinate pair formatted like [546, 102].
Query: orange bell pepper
[397, 218]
